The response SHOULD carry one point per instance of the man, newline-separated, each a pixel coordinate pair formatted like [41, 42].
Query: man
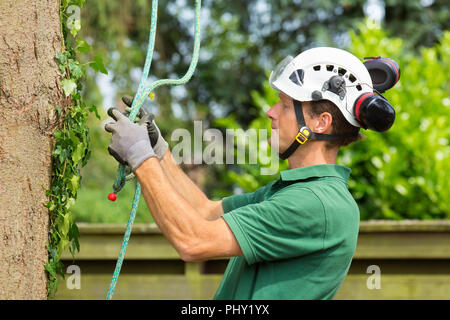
[294, 238]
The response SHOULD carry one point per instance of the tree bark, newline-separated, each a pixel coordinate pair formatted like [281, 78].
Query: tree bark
[30, 91]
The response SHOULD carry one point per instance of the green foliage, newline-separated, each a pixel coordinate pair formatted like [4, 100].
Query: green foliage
[98, 65]
[71, 152]
[403, 173]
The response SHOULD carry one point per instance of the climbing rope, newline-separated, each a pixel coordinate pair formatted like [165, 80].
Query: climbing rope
[142, 92]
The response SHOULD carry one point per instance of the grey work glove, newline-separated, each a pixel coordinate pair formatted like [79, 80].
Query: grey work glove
[130, 144]
[158, 143]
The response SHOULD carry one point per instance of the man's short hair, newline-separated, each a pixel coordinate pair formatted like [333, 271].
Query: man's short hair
[339, 124]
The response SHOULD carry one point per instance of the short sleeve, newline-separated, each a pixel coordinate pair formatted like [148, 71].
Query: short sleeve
[239, 200]
[289, 224]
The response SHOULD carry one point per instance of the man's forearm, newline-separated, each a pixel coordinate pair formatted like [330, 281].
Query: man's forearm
[188, 190]
[180, 223]
[194, 237]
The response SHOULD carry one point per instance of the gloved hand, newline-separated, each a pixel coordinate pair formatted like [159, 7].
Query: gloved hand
[130, 144]
[158, 143]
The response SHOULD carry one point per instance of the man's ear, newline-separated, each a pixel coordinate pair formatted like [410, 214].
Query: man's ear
[323, 123]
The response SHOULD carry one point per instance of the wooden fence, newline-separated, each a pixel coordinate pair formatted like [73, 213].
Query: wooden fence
[412, 256]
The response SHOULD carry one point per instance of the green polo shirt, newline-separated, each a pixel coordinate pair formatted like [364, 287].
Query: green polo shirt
[298, 235]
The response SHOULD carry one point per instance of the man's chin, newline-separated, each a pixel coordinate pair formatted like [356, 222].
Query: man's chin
[273, 144]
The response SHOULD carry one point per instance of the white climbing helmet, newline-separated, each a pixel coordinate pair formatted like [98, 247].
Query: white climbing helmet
[311, 76]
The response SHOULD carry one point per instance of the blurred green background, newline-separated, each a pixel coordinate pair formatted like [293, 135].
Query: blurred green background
[400, 174]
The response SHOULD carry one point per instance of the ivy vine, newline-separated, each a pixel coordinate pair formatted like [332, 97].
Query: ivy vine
[72, 145]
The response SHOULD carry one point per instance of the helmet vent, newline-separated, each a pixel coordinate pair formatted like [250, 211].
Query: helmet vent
[359, 87]
[352, 78]
[316, 68]
[341, 71]
[297, 77]
[330, 67]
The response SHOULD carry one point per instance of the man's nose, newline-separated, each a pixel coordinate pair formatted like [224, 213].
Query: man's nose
[272, 112]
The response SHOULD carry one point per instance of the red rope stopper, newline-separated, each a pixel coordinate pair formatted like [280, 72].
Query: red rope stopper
[112, 196]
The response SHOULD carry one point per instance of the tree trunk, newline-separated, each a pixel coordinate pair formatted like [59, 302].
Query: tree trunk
[30, 36]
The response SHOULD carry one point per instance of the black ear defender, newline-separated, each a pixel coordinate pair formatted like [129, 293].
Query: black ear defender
[373, 111]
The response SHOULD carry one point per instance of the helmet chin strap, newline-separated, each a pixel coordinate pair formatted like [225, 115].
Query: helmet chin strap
[304, 134]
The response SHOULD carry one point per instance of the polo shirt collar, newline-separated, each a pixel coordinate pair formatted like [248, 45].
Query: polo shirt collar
[317, 171]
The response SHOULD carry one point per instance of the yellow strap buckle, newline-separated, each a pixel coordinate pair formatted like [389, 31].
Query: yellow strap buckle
[302, 136]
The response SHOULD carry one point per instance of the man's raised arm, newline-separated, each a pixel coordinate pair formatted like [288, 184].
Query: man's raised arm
[180, 181]
[183, 185]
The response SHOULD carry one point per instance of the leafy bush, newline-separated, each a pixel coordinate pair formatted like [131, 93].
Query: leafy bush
[405, 172]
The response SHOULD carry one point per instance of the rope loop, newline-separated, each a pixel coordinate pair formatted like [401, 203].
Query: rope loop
[138, 100]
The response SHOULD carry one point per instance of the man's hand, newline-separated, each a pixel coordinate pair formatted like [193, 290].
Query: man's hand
[158, 143]
[130, 143]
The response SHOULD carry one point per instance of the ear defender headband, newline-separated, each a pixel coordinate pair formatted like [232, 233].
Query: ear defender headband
[384, 72]
[372, 110]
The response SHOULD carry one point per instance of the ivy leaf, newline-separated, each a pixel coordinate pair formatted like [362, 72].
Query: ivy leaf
[74, 26]
[78, 154]
[64, 227]
[62, 245]
[63, 155]
[74, 184]
[98, 65]
[56, 152]
[51, 206]
[83, 46]
[75, 69]
[62, 58]
[74, 234]
[73, 137]
[59, 266]
[67, 218]
[58, 134]
[68, 86]
[50, 269]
